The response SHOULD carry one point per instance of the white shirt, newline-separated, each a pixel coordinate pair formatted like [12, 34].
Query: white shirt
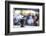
[17, 17]
[30, 20]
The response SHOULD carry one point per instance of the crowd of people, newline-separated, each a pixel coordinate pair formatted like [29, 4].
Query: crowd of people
[31, 20]
[26, 18]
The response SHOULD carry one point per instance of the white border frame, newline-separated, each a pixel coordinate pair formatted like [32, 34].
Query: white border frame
[33, 28]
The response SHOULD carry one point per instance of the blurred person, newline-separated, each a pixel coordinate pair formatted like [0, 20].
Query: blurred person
[35, 18]
[16, 18]
[29, 19]
[22, 22]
